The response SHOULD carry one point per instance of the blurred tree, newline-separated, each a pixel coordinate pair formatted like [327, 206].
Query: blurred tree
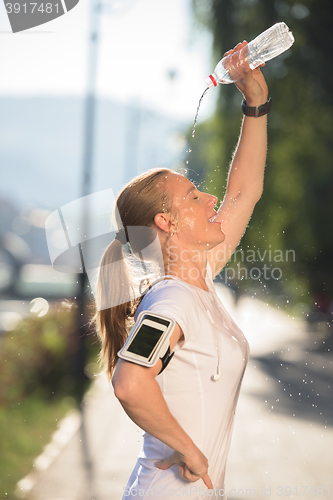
[295, 210]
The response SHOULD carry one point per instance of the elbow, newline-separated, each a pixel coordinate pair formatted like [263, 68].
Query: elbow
[258, 196]
[121, 389]
[124, 387]
[251, 197]
[118, 390]
[257, 193]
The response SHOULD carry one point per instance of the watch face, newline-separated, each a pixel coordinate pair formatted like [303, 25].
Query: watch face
[145, 341]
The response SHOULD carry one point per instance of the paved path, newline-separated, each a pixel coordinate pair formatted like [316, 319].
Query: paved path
[283, 435]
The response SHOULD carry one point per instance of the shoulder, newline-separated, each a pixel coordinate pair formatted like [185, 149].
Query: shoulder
[175, 300]
[169, 290]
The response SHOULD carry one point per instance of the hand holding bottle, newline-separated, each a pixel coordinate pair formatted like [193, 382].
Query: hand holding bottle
[242, 64]
[250, 82]
[269, 44]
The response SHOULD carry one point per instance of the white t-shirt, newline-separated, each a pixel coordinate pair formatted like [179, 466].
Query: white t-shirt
[204, 408]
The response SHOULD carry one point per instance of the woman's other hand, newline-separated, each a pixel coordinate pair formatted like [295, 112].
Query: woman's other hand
[192, 466]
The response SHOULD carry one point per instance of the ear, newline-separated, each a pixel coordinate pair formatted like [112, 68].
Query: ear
[163, 222]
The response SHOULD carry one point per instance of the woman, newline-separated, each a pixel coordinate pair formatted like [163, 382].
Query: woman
[186, 411]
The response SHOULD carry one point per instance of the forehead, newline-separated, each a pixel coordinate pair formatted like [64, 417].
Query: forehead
[178, 185]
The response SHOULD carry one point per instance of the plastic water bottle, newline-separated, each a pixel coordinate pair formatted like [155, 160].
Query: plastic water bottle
[269, 44]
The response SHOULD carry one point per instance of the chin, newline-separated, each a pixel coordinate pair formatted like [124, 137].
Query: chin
[220, 239]
[217, 241]
[220, 235]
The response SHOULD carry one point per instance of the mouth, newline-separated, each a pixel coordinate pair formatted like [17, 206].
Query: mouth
[213, 219]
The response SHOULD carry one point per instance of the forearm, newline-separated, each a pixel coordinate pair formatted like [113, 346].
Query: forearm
[145, 405]
[143, 401]
[246, 173]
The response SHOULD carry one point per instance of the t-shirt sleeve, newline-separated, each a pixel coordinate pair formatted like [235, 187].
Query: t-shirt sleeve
[176, 302]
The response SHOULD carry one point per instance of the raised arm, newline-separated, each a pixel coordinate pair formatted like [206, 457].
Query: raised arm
[140, 396]
[246, 175]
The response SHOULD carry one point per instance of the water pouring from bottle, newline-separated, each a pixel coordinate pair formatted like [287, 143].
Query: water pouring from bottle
[196, 114]
[269, 44]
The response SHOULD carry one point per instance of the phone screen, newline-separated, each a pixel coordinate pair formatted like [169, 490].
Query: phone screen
[145, 340]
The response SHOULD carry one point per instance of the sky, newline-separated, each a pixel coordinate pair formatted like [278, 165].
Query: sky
[141, 43]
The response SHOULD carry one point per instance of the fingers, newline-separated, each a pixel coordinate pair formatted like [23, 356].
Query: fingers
[189, 476]
[235, 61]
[165, 464]
[208, 482]
[236, 48]
[200, 466]
[185, 472]
[181, 469]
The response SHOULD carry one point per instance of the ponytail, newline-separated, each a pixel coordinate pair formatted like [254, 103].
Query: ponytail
[116, 294]
[115, 304]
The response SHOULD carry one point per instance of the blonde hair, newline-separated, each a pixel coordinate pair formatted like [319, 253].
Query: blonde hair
[137, 204]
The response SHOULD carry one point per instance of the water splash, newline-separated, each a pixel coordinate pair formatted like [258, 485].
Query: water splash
[196, 115]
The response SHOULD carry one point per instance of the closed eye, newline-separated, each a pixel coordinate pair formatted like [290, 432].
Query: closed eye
[196, 194]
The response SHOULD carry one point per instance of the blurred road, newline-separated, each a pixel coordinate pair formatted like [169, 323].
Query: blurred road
[283, 434]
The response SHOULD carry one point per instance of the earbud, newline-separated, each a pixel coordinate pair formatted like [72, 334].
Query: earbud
[217, 375]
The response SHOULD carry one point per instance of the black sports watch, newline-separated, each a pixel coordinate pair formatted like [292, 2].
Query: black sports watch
[256, 111]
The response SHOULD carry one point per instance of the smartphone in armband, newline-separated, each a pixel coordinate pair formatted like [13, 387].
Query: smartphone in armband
[149, 340]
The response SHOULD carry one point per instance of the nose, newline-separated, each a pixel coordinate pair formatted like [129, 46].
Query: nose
[212, 200]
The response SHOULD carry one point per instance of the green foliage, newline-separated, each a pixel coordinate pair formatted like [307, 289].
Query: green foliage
[38, 386]
[295, 209]
[25, 428]
[37, 357]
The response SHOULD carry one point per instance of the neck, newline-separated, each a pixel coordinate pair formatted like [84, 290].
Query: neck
[188, 265]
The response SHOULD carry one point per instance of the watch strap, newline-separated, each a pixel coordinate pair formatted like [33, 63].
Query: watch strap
[256, 111]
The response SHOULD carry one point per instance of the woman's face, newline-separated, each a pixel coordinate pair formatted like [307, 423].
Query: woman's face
[196, 227]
